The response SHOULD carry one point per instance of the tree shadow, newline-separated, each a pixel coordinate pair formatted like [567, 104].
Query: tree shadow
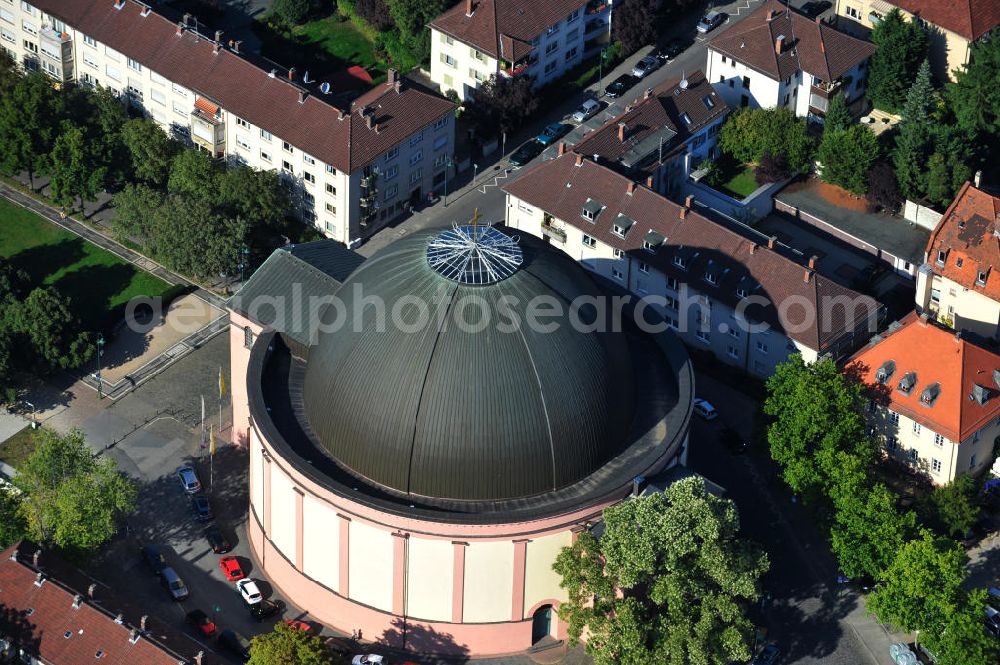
[431, 645]
[18, 631]
[92, 288]
[41, 260]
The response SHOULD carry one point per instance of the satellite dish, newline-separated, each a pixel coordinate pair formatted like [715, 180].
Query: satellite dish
[324, 87]
[305, 78]
[684, 84]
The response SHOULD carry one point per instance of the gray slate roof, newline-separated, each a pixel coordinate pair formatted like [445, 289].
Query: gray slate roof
[279, 294]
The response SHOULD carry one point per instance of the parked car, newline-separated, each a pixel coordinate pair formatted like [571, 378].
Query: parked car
[646, 66]
[553, 133]
[265, 608]
[731, 439]
[526, 153]
[711, 21]
[200, 621]
[993, 621]
[189, 479]
[815, 8]
[298, 625]
[368, 659]
[767, 656]
[153, 557]
[587, 110]
[249, 591]
[232, 641]
[201, 508]
[619, 86]
[339, 646]
[231, 568]
[704, 409]
[670, 50]
[173, 583]
[216, 540]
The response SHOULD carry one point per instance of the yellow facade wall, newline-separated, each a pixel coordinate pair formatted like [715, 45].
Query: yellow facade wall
[429, 576]
[489, 581]
[540, 581]
[283, 513]
[320, 542]
[371, 566]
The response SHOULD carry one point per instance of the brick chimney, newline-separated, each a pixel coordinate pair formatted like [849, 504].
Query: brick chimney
[579, 160]
[923, 319]
[806, 274]
[562, 148]
[369, 121]
[302, 96]
[753, 247]
[469, 7]
[236, 45]
[621, 132]
[630, 190]
[771, 13]
[812, 261]
[77, 599]
[35, 556]
[689, 201]
[771, 241]
[649, 182]
[779, 44]
[390, 77]
[218, 36]
[683, 213]
[143, 621]
[180, 27]
[198, 657]
[91, 590]
[187, 17]
[291, 73]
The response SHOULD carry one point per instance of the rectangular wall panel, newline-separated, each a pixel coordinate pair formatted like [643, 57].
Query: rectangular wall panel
[321, 542]
[540, 581]
[282, 513]
[489, 578]
[429, 579]
[371, 566]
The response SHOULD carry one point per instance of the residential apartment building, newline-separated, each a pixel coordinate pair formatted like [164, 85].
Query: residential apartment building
[779, 57]
[352, 168]
[956, 284]
[664, 135]
[953, 25]
[738, 296]
[934, 398]
[476, 39]
[53, 614]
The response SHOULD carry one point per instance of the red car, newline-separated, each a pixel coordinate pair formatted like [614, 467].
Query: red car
[298, 625]
[231, 568]
[201, 622]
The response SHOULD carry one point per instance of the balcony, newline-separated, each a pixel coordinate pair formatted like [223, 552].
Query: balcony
[511, 70]
[826, 89]
[597, 6]
[596, 25]
[208, 130]
[550, 229]
[56, 54]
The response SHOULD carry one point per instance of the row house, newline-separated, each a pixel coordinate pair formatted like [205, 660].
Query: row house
[352, 167]
[664, 135]
[934, 398]
[953, 25]
[477, 39]
[956, 284]
[742, 298]
[779, 57]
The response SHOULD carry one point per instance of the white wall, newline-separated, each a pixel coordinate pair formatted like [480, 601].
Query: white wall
[489, 579]
[283, 525]
[540, 581]
[371, 554]
[727, 77]
[321, 542]
[430, 579]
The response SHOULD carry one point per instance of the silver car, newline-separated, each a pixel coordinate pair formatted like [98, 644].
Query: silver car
[587, 110]
[711, 21]
[173, 583]
[645, 66]
[189, 479]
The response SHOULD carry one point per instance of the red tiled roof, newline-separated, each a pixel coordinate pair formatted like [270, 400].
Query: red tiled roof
[504, 28]
[970, 18]
[206, 106]
[968, 233]
[37, 618]
[940, 357]
[646, 116]
[248, 91]
[814, 47]
[561, 188]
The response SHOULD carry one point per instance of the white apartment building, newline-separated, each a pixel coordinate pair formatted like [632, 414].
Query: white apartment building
[476, 39]
[778, 57]
[661, 137]
[742, 298]
[935, 398]
[956, 284]
[352, 169]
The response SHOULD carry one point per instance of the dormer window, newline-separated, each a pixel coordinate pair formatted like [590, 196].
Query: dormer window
[958, 262]
[591, 209]
[981, 277]
[980, 394]
[708, 101]
[622, 225]
[885, 372]
[741, 292]
[680, 262]
[907, 383]
[930, 394]
[942, 255]
[648, 246]
[652, 241]
[686, 119]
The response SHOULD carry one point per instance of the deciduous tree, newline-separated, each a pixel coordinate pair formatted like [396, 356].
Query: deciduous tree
[29, 121]
[837, 118]
[502, 104]
[149, 149]
[188, 236]
[72, 499]
[376, 13]
[195, 173]
[46, 324]
[868, 528]
[291, 12]
[260, 197]
[749, 134]
[684, 574]
[954, 508]
[77, 170]
[847, 156]
[901, 45]
[412, 17]
[136, 207]
[634, 24]
[883, 190]
[288, 646]
[12, 525]
[964, 640]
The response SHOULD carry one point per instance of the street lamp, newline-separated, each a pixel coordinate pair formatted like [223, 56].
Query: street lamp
[600, 67]
[34, 422]
[447, 167]
[475, 172]
[100, 352]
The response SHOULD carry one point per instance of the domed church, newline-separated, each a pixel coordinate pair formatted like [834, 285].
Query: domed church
[428, 427]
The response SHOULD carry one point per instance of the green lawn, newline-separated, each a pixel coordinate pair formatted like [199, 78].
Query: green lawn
[740, 183]
[96, 281]
[325, 47]
[17, 448]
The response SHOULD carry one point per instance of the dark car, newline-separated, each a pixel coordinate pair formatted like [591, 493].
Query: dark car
[200, 622]
[815, 8]
[767, 656]
[864, 583]
[553, 133]
[339, 646]
[201, 508]
[217, 541]
[235, 643]
[526, 153]
[265, 608]
[153, 557]
[731, 439]
[670, 50]
[619, 86]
